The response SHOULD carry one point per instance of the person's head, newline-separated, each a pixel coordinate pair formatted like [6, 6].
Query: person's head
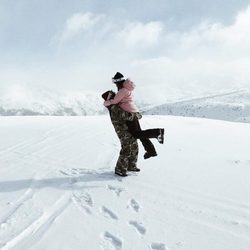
[108, 95]
[118, 80]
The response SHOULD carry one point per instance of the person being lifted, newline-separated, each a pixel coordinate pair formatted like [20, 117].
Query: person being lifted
[124, 99]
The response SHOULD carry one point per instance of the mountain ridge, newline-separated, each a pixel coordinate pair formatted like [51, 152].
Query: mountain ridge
[232, 105]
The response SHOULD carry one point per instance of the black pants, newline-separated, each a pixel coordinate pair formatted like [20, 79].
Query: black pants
[143, 135]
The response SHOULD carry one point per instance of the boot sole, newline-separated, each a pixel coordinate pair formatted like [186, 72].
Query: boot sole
[147, 157]
[161, 135]
[134, 170]
[120, 174]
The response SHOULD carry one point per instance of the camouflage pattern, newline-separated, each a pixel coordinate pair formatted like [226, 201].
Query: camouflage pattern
[129, 146]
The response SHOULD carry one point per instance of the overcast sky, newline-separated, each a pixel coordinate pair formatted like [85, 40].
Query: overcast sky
[163, 45]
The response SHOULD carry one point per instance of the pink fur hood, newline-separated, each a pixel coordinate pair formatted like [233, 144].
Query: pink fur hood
[129, 85]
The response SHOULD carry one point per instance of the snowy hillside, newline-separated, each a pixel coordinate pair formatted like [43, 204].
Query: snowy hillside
[23, 101]
[58, 190]
[233, 106]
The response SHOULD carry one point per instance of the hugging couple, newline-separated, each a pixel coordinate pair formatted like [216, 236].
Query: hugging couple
[125, 118]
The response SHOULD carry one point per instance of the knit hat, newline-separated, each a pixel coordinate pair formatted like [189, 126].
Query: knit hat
[108, 95]
[118, 78]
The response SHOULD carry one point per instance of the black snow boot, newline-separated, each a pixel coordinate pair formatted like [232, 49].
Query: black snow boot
[135, 169]
[149, 154]
[121, 172]
[160, 137]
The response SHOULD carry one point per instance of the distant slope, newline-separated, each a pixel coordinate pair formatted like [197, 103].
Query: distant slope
[23, 101]
[233, 106]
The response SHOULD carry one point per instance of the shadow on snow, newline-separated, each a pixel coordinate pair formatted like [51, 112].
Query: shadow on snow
[66, 182]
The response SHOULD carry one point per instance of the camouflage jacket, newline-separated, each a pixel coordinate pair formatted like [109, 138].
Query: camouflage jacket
[119, 116]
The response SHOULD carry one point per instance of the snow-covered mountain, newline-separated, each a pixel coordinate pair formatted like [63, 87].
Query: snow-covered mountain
[24, 101]
[232, 106]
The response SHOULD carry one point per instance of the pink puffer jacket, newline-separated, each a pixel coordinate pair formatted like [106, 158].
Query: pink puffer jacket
[124, 98]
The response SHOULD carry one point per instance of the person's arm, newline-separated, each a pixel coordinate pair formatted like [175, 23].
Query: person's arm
[123, 115]
[118, 97]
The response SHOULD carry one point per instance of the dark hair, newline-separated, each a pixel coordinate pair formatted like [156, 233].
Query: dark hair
[119, 85]
[109, 93]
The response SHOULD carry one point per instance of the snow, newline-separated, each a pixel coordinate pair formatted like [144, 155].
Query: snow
[24, 101]
[58, 190]
[233, 105]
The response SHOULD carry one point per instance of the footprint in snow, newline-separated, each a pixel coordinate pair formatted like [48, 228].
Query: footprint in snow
[83, 201]
[235, 223]
[134, 205]
[76, 171]
[70, 172]
[115, 242]
[116, 190]
[3, 227]
[158, 246]
[64, 173]
[108, 213]
[138, 226]
[179, 244]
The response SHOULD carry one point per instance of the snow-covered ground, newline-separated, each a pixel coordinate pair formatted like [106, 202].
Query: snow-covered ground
[58, 190]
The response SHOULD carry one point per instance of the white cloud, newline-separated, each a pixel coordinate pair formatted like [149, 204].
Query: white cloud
[237, 36]
[142, 34]
[78, 23]
[216, 39]
[210, 57]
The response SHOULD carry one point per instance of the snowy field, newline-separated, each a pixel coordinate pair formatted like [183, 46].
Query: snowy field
[58, 190]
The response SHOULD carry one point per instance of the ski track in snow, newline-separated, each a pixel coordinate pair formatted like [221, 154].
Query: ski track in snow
[40, 226]
[33, 142]
[26, 196]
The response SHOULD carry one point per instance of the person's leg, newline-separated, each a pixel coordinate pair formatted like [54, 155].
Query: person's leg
[148, 145]
[150, 149]
[123, 160]
[134, 127]
[133, 157]
[148, 133]
[128, 153]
